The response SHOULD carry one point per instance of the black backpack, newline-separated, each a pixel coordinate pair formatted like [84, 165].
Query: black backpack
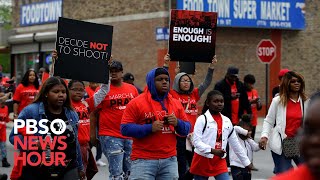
[205, 126]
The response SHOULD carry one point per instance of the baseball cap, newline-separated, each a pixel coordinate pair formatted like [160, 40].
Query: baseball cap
[128, 76]
[116, 65]
[233, 71]
[282, 72]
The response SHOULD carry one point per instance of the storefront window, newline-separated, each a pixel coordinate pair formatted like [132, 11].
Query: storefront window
[24, 62]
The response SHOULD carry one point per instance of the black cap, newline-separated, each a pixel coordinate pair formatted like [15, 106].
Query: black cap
[116, 65]
[160, 71]
[128, 76]
[233, 71]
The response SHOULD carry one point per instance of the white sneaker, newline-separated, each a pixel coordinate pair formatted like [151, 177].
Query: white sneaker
[100, 163]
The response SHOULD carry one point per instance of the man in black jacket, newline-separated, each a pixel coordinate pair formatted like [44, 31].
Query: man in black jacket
[235, 95]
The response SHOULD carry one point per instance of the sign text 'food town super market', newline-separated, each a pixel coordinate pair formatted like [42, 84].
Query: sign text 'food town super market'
[273, 14]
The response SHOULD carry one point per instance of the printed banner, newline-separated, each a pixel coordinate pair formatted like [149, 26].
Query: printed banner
[269, 14]
[192, 36]
[83, 50]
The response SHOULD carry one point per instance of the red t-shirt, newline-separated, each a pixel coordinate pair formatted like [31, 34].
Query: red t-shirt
[234, 105]
[84, 121]
[25, 95]
[144, 110]
[253, 94]
[112, 108]
[90, 91]
[218, 119]
[293, 118]
[189, 103]
[4, 118]
[302, 172]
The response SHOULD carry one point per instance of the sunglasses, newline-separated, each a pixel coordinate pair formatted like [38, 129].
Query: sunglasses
[295, 81]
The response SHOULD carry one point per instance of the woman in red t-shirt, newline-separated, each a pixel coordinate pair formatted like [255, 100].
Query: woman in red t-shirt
[212, 132]
[25, 92]
[285, 117]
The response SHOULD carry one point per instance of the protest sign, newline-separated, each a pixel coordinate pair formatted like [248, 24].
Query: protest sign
[192, 36]
[83, 50]
[187, 67]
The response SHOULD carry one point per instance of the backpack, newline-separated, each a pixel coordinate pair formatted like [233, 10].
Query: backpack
[205, 126]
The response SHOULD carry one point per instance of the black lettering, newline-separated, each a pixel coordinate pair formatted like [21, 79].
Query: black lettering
[85, 115]
[126, 101]
[193, 106]
[113, 102]
[119, 102]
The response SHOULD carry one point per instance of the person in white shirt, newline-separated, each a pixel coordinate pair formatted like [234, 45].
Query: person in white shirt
[243, 131]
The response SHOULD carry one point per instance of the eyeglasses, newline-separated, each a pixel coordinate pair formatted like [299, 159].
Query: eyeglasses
[77, 89]
[295, 81]
[185, 81]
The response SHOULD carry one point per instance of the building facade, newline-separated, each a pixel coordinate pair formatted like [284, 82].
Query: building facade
[138, 45]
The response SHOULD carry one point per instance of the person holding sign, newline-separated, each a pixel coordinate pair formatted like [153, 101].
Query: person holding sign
[183, 89]
[25, 92]
[152, 120]
[115, 146]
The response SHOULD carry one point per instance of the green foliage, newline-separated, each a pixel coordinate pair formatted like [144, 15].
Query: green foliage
[5, 13]
[5, 62]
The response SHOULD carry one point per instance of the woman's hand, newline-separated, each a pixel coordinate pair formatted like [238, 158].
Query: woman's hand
[214, 62]
[54, 55]
[263, 143]
[167, 60]
[82, 175]
[218, 152]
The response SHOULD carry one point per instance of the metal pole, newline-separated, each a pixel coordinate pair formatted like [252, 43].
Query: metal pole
[267, 87]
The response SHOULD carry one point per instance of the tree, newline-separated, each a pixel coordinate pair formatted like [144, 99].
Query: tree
[5, 13]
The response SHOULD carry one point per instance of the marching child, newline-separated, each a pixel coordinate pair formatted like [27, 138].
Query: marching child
[243, 131]
[212, 132]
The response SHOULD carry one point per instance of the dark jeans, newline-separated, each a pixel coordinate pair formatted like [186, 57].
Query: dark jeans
[253, 132]
[240, 173]
[99, 151]
[181, 156]
[282, 164]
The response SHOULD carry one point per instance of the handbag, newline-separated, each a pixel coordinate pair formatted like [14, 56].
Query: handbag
[290, 148]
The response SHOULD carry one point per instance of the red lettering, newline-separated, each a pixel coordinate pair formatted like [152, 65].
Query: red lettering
[59, 158]
[38, 158]
[17, 142]
[62, 143]
[99, 46]
[32, 143]
[51, 160]
[20, 157]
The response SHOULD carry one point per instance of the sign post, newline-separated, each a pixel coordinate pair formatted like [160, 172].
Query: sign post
[266, 53]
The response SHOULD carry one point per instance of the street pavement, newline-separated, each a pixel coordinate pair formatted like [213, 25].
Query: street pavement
[262, 160]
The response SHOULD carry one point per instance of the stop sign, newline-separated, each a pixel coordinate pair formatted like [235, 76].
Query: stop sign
[266, 51]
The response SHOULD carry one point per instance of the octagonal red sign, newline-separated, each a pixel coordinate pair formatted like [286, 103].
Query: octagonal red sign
[266, 51]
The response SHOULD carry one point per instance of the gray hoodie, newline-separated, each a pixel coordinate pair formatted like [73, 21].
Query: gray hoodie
[202, 87]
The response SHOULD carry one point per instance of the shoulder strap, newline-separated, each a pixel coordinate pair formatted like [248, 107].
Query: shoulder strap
[230, 133]
[205, 124]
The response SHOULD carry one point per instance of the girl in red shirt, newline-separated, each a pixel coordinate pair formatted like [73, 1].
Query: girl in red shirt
[212, 132]
[4, 119]
[25, 92]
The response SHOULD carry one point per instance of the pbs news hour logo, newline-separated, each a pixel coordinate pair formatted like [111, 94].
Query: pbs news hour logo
[43, 147]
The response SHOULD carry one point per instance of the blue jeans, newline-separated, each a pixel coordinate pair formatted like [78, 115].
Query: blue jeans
[282, 164]
[160, 169]
[117, 151]
[223, 176]
[239, 173]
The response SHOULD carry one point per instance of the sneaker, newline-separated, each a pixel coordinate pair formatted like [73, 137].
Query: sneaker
[100, 163]
[254, 169]
[5, 163]
[3, 177]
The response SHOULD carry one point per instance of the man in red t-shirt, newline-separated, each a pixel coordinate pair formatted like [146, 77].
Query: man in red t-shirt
[115, 146]
[310, 146]
[152, 120]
